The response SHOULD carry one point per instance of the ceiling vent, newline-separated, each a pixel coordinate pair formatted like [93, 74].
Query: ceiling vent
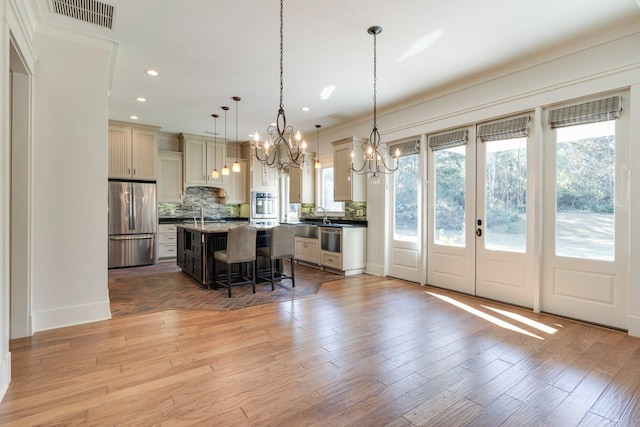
[91, 11]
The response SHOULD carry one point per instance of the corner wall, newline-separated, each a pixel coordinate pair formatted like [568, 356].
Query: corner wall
[70, 153]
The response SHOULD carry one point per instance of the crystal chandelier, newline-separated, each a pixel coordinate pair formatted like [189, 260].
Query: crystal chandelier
[318, 165]
[377, 160]
[283, 149]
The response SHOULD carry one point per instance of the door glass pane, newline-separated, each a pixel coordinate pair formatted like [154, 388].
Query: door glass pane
[450, 196]
[407, 199]
[585, 174]
[506, 195]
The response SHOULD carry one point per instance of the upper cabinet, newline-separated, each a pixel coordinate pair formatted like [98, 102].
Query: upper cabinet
[169, 176]
[201, 156]
[237, 185]
[348, 185]
[132, 151]
[301, 180]
[261, 177]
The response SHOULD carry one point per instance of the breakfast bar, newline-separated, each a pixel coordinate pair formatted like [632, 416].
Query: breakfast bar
[197, 243]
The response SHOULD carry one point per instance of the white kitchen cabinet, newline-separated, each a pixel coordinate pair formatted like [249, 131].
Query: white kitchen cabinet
[237, 184]
[348, 185]
[307, 250]
[167, 242]
[169, 177]
[201, 156]
[261, 177]
[132, 151]
[301, 181]
[352, 256]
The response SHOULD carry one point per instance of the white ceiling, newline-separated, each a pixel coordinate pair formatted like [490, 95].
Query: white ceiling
[207, 51]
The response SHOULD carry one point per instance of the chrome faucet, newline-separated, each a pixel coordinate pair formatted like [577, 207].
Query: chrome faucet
[325, 220]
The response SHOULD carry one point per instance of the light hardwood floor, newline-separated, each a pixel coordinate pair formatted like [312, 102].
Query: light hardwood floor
[365, 351]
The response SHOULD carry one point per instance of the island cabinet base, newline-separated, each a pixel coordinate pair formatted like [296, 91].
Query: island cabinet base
[196, 248]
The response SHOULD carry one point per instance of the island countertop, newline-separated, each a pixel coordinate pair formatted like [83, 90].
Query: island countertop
[213, 228]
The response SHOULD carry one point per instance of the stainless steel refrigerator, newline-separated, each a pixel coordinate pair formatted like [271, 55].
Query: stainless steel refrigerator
[132, 223]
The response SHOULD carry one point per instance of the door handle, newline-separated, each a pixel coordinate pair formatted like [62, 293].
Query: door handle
[478, 232]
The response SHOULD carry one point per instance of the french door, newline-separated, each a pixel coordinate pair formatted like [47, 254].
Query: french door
[481, 211]
[586, 233]
[405, 250]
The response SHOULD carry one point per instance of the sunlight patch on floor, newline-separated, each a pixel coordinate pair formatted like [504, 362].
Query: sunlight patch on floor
[486, 316]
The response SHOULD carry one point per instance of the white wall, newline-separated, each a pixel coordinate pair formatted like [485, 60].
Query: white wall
[5, 158]
[70, 184]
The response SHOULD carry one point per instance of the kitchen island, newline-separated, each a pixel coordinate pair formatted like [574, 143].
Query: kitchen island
[197, 243]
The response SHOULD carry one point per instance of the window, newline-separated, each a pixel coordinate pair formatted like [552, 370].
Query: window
[585, 174]
[325, 192]
[406, 181]
[450, 196]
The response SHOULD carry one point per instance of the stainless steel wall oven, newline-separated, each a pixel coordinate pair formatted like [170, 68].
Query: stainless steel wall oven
[264, 205]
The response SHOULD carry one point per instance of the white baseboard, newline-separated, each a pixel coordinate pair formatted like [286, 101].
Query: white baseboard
[634, 326]
[68, 316]
[375, 269]
[5, 374]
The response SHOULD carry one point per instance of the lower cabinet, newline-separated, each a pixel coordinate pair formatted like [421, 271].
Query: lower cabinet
[307, 250]
[351, 258]
[167, 242]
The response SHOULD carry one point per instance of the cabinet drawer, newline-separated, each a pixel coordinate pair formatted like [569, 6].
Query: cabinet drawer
[167, 251]
[168, 238]
[167, 228]
[333, 260]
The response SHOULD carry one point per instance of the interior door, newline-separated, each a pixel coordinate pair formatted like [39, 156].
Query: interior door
[505, 223]
[405, 257]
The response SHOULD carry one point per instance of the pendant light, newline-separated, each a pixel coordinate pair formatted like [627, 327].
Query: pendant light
[236, 165]
[376, 158]
[283, 149]
[317, 164]
[225, 169]
[214, 173]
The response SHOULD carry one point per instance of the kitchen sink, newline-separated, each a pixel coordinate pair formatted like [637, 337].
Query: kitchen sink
[307, 230]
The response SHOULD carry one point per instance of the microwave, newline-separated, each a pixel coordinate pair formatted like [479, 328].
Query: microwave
[264, 205]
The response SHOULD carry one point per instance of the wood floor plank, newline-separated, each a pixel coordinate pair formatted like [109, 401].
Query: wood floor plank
[363, 351]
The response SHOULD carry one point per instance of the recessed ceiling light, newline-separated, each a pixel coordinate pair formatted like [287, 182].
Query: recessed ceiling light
[305, 108]
[151, 72]
[326, 92]
[133, 117]
[141, 99]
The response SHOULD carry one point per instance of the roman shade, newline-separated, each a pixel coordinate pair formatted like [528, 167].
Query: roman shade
[504, 129]
[406, 148]
[450, 139]
[588, 112]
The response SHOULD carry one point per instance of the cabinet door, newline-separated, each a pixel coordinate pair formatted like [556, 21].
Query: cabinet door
[216, 155]
[237, 185]
[120, 152]
[195, 163]
[295, 185]
[169, 177]
[312, 251]
[342, 173]
[144, 149]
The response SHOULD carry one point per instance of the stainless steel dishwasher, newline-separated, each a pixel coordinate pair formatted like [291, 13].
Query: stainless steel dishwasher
[330, 239]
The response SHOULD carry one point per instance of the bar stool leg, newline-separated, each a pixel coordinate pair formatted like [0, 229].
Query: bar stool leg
[293, 276]
[229, 280]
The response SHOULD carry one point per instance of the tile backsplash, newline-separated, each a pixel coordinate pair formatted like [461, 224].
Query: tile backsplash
[352, 210]
[190, 206]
